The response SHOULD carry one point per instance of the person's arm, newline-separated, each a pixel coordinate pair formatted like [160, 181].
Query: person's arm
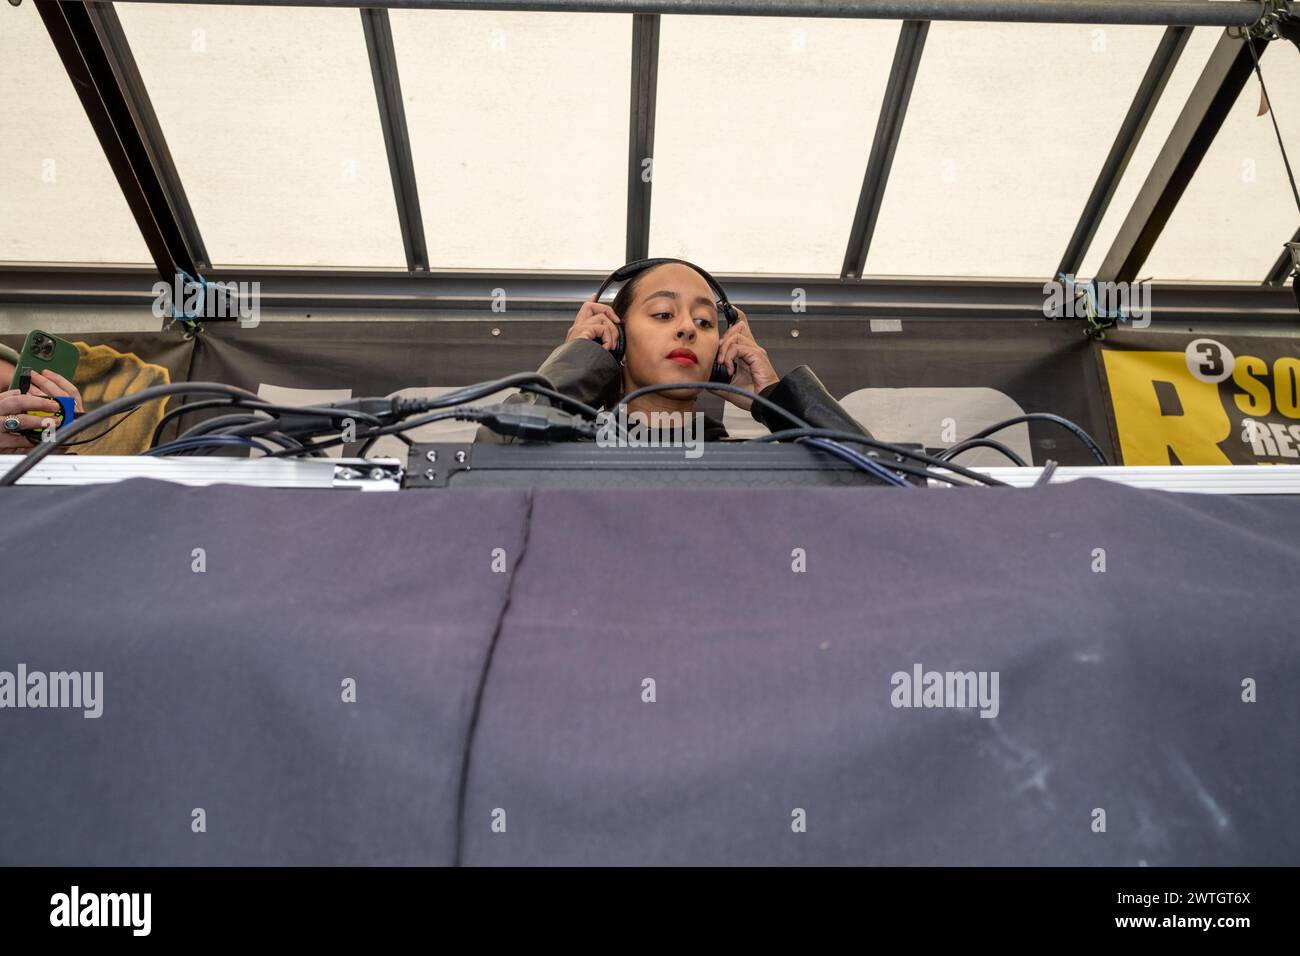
[802, 393]
[583, 367]
[580, 368]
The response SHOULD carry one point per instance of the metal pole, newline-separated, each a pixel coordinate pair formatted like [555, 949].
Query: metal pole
[1211, 100]
[436, 295]
[397, 138]
[889, 127]
[1121, 151]
[1191, 13]
[641, 134]
[133, 152]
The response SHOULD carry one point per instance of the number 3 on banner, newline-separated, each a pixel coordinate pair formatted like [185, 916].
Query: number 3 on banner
[1209, 361]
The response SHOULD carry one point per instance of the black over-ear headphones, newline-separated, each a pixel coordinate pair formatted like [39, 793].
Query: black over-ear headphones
[726, 311]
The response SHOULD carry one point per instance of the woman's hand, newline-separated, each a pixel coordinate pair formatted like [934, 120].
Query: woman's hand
[54, 385]
[597, 322]
[746, 360]
[14, 405]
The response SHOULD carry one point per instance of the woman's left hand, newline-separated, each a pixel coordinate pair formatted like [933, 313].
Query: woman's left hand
[747, 361]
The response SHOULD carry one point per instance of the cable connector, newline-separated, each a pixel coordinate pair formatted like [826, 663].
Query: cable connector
[291, 423]
[535, 422]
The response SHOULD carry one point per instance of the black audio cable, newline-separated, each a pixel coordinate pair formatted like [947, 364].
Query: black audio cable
[1065, 423]
[791, 434]
[950, 453]
[115, 407]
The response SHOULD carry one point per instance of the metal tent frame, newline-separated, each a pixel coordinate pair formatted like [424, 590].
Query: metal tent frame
[98, 60]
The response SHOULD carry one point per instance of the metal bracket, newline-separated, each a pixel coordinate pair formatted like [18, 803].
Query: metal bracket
[432, 465]
[1278, 20]
[179, 316]
[1096, 321]
[1294, 249]
[373, 474]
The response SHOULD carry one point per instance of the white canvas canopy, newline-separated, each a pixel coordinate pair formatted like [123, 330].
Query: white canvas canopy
[781, 145]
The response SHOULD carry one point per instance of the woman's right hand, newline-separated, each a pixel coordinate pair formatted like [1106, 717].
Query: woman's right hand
[597, 322]
[14, 403]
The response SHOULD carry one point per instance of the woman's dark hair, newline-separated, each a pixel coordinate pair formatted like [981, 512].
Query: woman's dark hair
[623, 301]
[621, 304]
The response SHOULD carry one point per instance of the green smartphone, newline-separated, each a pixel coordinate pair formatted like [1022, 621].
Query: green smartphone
[43, 352]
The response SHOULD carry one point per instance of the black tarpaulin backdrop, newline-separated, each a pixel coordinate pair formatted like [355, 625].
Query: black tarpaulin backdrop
[1137, 392]
[1119, 690]
[1038, 366]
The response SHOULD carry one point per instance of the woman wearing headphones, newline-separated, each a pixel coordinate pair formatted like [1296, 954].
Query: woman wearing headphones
[671, 322]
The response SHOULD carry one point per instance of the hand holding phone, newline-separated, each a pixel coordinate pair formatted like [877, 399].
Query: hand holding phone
[21, 419]
[46, 353]
[49, 389]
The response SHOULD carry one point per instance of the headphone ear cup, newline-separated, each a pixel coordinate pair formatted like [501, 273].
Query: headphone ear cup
[726, 315]
[617, 350]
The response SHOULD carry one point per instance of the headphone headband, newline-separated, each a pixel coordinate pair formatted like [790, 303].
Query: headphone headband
[625, 272]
